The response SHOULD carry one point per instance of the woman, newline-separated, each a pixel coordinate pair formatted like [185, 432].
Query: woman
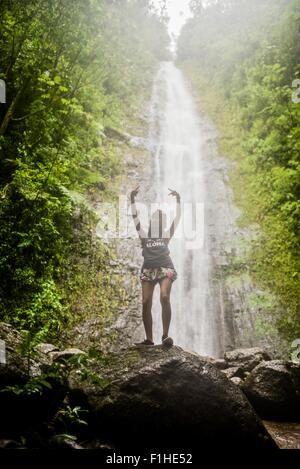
[157, 267]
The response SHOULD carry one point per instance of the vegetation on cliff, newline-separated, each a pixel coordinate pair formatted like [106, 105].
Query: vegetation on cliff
[243, 58]
[73, 70]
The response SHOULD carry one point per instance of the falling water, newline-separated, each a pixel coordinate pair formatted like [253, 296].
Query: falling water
[181, 161]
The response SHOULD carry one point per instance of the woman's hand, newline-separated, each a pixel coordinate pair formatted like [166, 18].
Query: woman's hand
[174, 194]
[134, 193]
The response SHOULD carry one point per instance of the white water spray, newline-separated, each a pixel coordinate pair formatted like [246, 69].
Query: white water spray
[179, 163]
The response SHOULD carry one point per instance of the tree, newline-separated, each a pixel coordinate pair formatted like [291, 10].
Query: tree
[73, 70]
[245, 55]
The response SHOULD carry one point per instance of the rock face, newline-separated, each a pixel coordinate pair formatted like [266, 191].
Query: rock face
[273, 388]
[152, 396]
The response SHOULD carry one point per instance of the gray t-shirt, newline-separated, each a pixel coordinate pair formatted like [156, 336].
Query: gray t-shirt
[155, 250]
[156, 253]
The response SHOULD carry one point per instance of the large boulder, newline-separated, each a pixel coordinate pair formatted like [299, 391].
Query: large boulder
[286, 434]
[245, 358]
[273, 388]
[158, 397]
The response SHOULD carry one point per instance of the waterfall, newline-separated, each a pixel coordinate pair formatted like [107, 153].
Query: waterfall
[178, 139]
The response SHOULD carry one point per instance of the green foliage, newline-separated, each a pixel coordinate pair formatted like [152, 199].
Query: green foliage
[34, 386]
[73, 69]
[38, 384]
[244, 59]
[83, 364]
[68, 416]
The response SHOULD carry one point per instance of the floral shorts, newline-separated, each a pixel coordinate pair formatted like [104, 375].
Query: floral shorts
[158, 273]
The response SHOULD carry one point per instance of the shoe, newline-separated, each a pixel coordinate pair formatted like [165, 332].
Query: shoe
[167, 341]
[144, 342]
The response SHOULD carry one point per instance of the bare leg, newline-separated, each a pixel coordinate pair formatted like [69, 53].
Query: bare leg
[147, 292]
[165, 291]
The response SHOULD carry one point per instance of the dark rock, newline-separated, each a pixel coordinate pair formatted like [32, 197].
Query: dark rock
[220, 363]
[237, 381]
[46, 348]
[273, 388]
[286, 434]
[97, 444]
[65, 354]
[246, 358]
[43, 354]
[153, 396]
[62, 442]
[9, 444]
[19, 409]
[233, 372]
[17, 368]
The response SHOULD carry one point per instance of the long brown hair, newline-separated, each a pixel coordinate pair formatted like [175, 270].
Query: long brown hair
[158, 220]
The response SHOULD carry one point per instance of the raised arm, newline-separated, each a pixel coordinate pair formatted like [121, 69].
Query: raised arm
[174, 224]
[134, 213]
